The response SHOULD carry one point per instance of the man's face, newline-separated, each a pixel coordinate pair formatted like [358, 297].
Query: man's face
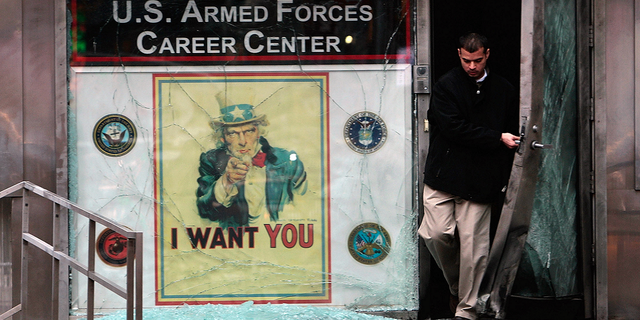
[242, 141]
[474, 63]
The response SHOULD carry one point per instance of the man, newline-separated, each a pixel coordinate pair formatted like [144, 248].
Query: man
[473, 117]
[245, 178]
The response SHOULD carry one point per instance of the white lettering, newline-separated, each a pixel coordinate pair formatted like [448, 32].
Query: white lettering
[211, 12]
[331, 16]
[229, 15]
[213, 43]
[307, 13]
[316, 44]
[256, 14]
[166, 46]
[367, 14]
[291, 45]
[303, 43]
[272, 44]
[228, 43]
[247, 41]
[141, 45]
[319, 11]
[197, 43]
[117, 18]
[282, 9]
[191, 11]
[151, 6]
[350, 13]
[332, 42]
[245, 14]
[256, 42]
[182, 43]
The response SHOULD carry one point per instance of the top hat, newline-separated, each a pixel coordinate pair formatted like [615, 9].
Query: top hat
[232, 114]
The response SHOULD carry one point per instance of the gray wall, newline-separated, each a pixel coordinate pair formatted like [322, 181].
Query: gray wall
[33, 123]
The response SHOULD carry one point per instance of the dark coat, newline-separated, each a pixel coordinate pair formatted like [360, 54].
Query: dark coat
[466, 157]
[284, 175]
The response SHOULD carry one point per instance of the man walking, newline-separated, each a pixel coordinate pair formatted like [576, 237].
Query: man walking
[473, 118]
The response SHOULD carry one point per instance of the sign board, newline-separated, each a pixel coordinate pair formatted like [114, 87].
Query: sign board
[227, 32]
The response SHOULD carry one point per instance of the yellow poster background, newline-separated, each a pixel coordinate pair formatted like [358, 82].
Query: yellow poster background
[296, 107]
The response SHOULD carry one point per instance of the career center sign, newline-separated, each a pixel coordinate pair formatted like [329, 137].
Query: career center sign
[252, 41]
[156, 31]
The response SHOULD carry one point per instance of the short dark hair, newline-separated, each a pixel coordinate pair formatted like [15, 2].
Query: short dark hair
[472, 42]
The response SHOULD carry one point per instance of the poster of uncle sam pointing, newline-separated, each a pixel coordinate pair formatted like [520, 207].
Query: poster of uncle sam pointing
[242, 188]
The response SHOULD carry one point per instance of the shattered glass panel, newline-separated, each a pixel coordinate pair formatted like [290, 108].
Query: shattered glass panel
[549, 266]
[248, 310]
[272, 184]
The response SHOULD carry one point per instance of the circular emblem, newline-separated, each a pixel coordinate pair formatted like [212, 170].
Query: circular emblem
[369, 243]
[112, 248]
[114, 135]
[365, 132]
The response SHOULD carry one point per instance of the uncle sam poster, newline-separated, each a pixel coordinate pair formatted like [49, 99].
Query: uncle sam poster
[241, 188]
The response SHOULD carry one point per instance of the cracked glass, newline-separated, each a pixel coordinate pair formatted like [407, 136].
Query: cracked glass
[263, 147]
[549, 264]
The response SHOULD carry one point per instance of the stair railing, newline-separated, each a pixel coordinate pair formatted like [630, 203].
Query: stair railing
[62, 261]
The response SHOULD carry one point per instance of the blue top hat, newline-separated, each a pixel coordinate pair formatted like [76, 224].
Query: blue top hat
[235, 114]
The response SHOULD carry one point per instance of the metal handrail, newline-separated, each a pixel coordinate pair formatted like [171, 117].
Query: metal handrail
[132, 293]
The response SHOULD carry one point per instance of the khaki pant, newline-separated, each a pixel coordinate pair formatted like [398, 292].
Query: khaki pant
[456, 231]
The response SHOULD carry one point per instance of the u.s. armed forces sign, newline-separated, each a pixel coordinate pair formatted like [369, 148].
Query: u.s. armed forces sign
[224, 31]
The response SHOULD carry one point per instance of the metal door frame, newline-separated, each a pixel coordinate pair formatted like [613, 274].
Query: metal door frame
[586, 159]
[420, 127]
[599, 161]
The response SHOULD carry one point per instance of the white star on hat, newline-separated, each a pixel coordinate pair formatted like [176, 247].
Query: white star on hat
[237, 113]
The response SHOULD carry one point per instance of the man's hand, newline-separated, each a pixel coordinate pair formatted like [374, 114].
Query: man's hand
[235, 172]
[509, 140]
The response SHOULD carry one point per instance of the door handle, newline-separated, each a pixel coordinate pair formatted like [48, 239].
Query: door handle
[538, 145]
[521, 142]
[534, 144]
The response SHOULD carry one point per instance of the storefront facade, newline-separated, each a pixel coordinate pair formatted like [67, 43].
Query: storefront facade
[119, 105]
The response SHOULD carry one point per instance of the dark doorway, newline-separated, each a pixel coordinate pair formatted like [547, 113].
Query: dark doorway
[500, 22]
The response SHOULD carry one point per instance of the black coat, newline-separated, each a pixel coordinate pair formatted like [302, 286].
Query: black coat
[466, 157]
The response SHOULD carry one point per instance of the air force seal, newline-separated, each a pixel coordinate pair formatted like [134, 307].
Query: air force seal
[369, 243]
[114, 135]
[365, 132]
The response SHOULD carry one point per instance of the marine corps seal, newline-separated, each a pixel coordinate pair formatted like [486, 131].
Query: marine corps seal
[112, 248]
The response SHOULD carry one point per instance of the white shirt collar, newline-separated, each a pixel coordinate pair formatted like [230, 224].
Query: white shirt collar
[483, 77]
